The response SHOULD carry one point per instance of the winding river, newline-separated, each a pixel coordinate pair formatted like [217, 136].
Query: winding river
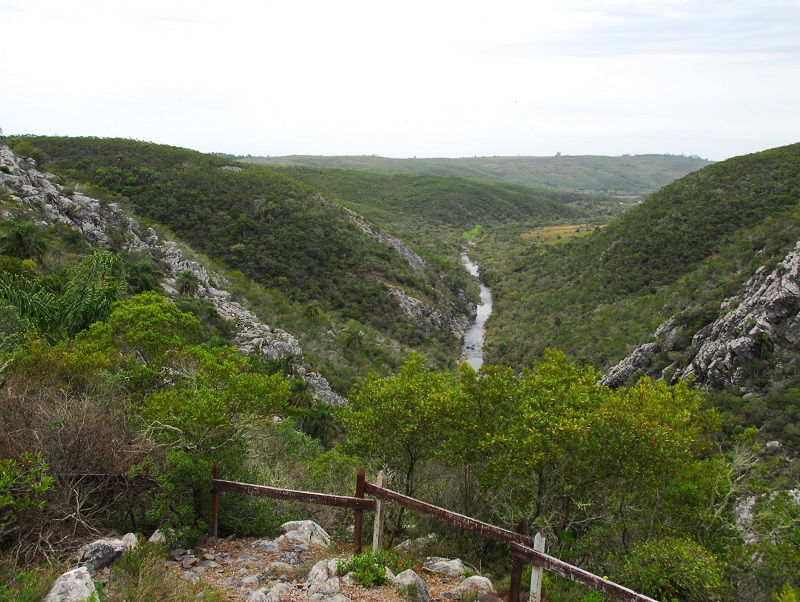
[472, 351]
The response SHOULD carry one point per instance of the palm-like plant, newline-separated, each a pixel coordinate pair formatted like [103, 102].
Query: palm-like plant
[187, 283]
[23, 240]
[95, 284]
[143, 276]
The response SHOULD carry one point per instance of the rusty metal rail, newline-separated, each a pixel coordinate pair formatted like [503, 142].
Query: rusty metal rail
[325, 499]
[357, 503]
[449, 517]
[521, 544]
[573, 573]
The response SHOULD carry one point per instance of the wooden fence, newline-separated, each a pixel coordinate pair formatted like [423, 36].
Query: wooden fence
[523, 547]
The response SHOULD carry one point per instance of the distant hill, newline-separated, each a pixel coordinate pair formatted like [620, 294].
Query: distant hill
[430, 211]
[626, 175]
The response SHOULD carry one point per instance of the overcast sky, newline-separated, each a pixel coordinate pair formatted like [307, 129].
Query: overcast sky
[427, 78]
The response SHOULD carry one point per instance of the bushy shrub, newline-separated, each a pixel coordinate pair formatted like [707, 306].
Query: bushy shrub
[23, 484]
[673, 569]
[369, 568]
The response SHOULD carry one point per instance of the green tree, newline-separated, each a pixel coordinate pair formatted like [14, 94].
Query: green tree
[312, 311]
[145, 330]
[95, 285]
[575, 457]
[352, 340]
[204, 416]
[393, 420]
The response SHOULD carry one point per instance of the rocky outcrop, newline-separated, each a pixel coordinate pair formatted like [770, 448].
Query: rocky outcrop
[762, 321]
[96, 220]
[468, 588]
[104, 552]
[424, 312]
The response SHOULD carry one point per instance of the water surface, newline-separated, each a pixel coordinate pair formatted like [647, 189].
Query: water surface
[472, 351]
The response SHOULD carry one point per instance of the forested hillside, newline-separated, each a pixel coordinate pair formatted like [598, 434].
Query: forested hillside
[434, 211]
[274, 230]
[627, 175]
[679, 255]
[689, 245]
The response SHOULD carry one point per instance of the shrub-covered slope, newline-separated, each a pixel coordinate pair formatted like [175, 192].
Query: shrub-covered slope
[683, 250]
[432, 210]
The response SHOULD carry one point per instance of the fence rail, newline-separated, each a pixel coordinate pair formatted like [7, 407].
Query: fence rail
[521, 545]
[292, 495]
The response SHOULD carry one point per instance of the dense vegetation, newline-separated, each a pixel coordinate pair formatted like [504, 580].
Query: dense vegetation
[274, 230]
[683, 250]
[432, 211]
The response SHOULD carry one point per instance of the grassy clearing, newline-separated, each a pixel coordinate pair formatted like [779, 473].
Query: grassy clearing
[558, 234]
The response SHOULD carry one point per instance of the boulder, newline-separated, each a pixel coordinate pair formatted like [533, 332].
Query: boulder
[306, 532]
[278, 592]
[158, 538]
[322, 571]
[73, 586]
[326, 588]
[101, 553]
[445, 566]
[411, 587]
[419, 544]
[466, 588]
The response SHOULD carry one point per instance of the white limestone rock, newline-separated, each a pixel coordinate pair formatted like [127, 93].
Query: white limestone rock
[463, 590]
[445, 566]
[73, 586]
[411, 587]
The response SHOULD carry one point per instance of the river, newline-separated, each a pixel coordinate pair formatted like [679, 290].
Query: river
[472, 351]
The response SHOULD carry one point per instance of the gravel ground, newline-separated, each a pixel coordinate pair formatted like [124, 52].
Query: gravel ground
[241, 559]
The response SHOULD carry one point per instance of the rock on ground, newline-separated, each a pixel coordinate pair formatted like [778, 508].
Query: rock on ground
[445, 566]
[472, 584]
[412, 587]
[73, 586]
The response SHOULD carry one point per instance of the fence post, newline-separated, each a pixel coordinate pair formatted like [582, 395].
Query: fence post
[515, 588]
[358, 527]
[536, 571]
[380, 510]
[214, 501]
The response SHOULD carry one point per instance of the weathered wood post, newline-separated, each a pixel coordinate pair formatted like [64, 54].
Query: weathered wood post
[214, 501]
[359, 521]
[536, 570]
[380, 511]
[515, 589]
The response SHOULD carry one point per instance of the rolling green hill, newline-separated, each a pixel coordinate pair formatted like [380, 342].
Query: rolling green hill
[432, 212]
[626, 175]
